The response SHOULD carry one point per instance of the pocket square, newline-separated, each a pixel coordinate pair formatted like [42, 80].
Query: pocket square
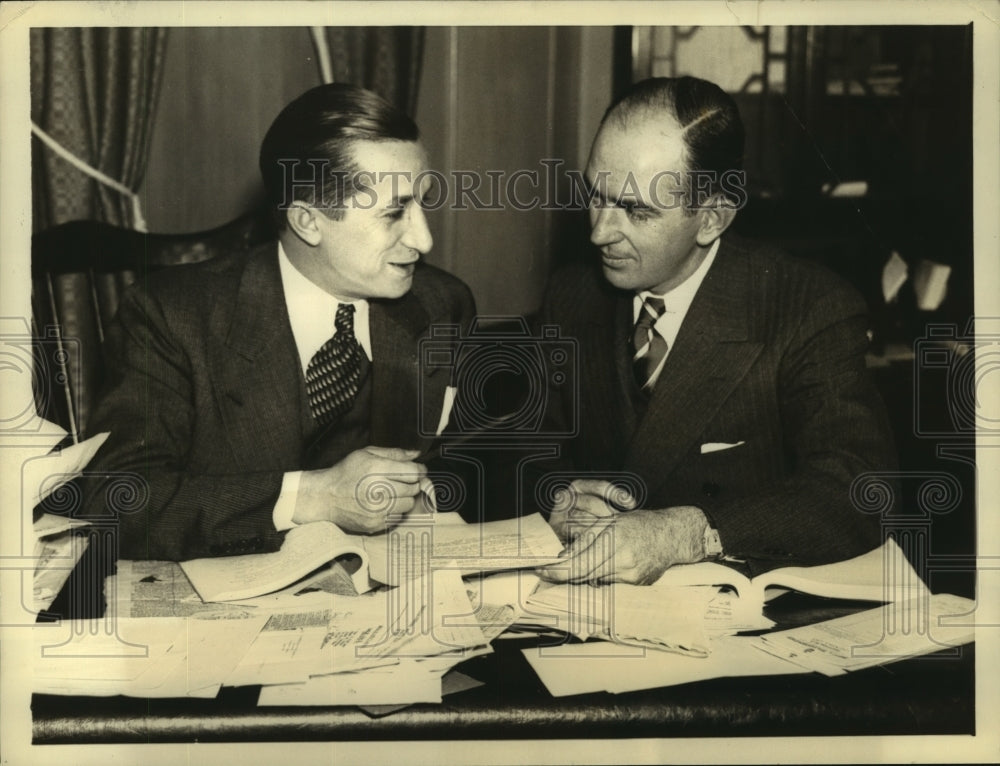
[718, 446]
[449, 402]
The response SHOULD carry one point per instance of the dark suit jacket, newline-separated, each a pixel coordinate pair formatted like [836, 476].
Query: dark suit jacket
[207, 402]
[771, 353]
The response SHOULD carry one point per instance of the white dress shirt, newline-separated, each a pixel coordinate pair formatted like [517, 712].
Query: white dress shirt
[676, 304]
[311, 313]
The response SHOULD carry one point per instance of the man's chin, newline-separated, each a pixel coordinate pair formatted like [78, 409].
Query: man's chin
[619, 277]
[396, 289]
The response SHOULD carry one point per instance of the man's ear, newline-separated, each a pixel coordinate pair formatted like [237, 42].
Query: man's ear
[715, 217]
[302, 222]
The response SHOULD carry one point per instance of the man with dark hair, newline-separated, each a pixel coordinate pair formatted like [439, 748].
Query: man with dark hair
[726, 379]
[254, 393]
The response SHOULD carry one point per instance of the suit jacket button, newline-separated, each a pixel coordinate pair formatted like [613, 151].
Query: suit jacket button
[710, 489]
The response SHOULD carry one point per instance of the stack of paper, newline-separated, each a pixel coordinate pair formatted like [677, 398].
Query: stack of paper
[877, 636]
[159, 589]
[424, 543]
[331, 639]
[667, 618]
[144, 657]
[397, 652]
[57, 550]
[305, 549]
[159, 638]
[882, 574]
[691, 603]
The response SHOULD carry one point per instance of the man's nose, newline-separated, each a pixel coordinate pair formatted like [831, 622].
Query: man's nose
[604, 225]
[418, 235]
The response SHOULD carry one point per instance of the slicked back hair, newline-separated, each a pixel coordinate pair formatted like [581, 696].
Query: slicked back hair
[710, 122]
[307, 154]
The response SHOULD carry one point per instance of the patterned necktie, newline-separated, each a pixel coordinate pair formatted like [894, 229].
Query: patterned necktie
[650, 347]
[334, 373]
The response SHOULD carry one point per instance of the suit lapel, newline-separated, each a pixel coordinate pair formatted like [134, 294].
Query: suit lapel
[256, 367]
[711, 354]
[398, 386]
[617, 335]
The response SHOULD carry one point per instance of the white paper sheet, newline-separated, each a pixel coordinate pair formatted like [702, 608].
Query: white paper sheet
[43, 475]
[404, 684]
[419, 545]
[304, 549]
[602, 666]
[147, 657]
[160, 589]
[873, 637]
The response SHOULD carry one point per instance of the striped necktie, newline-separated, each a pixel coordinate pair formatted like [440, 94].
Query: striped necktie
[650, 347]
[334, 372]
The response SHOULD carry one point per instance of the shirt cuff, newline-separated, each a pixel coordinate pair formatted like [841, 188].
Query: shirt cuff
[285, 507]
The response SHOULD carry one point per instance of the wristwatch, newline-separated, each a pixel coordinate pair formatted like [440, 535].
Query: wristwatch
[713, 545]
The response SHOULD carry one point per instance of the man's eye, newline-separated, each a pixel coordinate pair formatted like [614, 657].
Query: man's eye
[395, 213]
[635, 211]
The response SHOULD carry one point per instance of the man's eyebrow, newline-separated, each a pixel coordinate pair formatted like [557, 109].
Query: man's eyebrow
[399, 201]
[621, 201]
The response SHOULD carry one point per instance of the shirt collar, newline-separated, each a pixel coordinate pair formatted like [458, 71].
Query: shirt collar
[311, 311]
[678, 300]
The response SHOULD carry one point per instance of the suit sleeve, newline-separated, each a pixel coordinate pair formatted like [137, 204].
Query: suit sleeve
[141, 475]
[834, 428]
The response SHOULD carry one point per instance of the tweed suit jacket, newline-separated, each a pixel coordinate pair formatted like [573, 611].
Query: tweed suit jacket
[207, 404]
[770, 360]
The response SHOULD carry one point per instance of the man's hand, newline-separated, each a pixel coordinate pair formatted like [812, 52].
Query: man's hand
[635, 547]
[368, 491]
[585, 503]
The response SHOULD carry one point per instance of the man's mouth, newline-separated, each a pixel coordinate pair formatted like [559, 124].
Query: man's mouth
[406, 267]
[612, 259]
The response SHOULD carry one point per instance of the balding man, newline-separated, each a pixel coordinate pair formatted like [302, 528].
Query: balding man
[727, 379]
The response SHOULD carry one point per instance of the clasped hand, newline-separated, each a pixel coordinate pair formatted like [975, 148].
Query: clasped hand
[610, 542]
[368, 491]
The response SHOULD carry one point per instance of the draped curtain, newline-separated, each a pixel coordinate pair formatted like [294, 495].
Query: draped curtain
[94, 92]
[383, 59]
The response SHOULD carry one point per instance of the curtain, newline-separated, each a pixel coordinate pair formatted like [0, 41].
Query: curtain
[94, 92]
[383, 59]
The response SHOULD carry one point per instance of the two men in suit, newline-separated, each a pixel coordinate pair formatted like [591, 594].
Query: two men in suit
[727, 380]
[251, 394]
[724, 381]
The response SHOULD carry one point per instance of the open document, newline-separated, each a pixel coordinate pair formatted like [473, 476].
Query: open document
[423, 544]
[882, 574]
[305, 549]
